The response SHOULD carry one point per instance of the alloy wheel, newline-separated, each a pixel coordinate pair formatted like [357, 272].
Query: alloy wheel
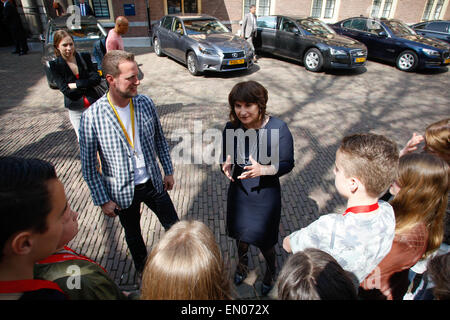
[312, 60]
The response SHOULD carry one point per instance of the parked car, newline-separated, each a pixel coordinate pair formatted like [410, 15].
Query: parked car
[438, 29]
[310, 41]
[392, 40]
[202, 43]
[84, 36]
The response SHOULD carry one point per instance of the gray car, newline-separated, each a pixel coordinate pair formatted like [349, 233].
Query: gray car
[201, 43]
[84, 36]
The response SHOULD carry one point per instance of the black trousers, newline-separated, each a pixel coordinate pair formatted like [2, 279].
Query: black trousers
[130, 218]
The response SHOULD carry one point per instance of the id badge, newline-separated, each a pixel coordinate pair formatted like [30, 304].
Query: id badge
[139, 159]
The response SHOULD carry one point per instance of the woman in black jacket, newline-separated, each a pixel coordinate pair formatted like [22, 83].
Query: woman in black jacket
[74, 75]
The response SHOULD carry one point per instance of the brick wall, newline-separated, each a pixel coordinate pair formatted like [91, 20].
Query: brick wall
[294, 7]
[410, 11]
[354, 8]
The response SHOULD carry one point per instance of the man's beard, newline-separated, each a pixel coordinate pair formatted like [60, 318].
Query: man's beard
[126, 94]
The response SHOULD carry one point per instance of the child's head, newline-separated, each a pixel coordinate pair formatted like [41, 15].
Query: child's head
[437, 139]
[33, 208]
[439, 271]
[186, 265]
[313, 274]
[368, 158]
[421, 195]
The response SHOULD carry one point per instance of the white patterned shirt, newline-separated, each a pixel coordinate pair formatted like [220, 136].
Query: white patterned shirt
[357, 241]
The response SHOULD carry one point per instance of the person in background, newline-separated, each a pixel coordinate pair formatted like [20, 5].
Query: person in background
[12, 21]
[114, 39]
[313, 274]
[85, 8]
[186, 264]
[248, 29]
[75, 76]
[33, 211]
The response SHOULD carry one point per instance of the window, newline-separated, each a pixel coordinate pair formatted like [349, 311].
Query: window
[262, 7]
[323, 9]
[182, 6]
[316, 9]
[382, 9]
[434, 10]
[100, 8]
[359, 24]
[167, 23]
[437, 26]
[267, 22]
[288, 26]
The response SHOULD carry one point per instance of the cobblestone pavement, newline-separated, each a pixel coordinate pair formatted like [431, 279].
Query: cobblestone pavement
[320, 108]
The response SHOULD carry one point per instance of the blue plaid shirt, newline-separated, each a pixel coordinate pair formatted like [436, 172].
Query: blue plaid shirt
[100, 131]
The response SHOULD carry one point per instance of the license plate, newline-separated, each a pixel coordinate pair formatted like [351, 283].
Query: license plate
[358, 60]
[447, 61]
[240, 61]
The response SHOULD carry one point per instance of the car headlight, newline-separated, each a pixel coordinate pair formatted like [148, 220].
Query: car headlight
[431, 52]
[208, 51]
[337, 52]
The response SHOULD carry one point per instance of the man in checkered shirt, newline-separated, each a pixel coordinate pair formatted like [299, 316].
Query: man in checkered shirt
[124, 128]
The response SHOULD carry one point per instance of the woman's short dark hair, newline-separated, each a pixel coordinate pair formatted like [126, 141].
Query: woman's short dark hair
[313, 274]
[248, 92]
[24, 197]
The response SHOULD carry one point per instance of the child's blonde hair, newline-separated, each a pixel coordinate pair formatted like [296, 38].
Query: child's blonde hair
[371, 158]
[424, 184]
[186, 265]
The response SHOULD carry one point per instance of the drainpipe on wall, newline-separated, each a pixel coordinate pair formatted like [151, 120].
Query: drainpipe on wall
[149, 21]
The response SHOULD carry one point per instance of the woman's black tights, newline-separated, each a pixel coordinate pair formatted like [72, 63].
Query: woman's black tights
[269, 256]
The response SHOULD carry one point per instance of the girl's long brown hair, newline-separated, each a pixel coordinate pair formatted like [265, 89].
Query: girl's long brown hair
[424, 182]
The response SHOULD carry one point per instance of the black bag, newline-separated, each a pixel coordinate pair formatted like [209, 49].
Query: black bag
[101, 88]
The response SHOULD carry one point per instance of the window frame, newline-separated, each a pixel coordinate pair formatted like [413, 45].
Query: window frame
[382, 8]
[166, 7]
[323, 10]
[101, 20]
[245, 9]
[432, 13]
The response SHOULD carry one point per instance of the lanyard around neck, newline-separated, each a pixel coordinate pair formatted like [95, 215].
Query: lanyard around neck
[120, 121]
[362, 209]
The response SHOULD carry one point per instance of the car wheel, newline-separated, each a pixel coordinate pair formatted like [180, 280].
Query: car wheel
[157, 47]
[192, 64]
[407, 61]
[313, 60]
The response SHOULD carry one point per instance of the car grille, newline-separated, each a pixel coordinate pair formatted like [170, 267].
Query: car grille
[233, 55]
[234, 66]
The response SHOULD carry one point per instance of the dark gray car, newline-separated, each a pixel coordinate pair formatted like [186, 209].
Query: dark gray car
[201, 43]
[84, 36]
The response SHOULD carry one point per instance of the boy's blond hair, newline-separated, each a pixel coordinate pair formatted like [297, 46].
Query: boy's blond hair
[371, 158]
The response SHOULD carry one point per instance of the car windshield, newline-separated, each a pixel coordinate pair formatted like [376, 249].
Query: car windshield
[84, 32]
[315, 27]
[399, 28]
[206, 26]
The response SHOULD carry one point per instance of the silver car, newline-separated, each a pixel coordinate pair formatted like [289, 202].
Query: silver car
[201, 43]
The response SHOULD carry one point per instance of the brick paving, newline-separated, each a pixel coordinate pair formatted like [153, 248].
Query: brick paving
[319, 108]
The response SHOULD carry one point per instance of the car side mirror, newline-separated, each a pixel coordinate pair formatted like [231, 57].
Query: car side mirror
[382, 34]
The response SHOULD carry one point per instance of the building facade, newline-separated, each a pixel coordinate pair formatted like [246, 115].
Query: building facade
[142, 13]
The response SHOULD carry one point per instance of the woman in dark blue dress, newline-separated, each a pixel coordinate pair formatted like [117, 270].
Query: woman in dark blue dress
[257, 151]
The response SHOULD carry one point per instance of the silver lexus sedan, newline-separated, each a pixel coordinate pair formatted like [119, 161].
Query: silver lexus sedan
[201, 43]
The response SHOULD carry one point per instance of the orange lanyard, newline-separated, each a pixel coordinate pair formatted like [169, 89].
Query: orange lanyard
[120, 121]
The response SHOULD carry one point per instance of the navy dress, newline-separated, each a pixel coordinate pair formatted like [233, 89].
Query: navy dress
[254, 204]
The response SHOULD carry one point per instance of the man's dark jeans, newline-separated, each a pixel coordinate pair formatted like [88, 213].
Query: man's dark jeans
[160, 204]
